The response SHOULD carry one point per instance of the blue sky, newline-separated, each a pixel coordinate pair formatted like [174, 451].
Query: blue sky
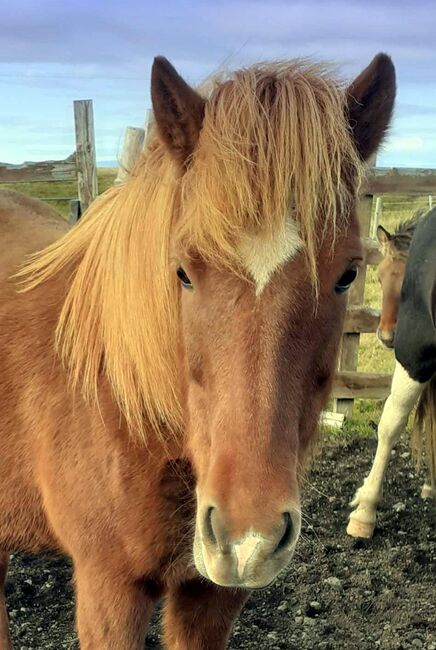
[52, 52]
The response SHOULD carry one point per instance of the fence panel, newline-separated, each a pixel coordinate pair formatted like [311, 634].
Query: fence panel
[350, 384]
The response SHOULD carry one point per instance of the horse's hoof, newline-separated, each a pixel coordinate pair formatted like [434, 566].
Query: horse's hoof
[358, 528]
[428, 492]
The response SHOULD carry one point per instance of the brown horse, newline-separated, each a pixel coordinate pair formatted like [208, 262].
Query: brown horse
[164, 367]
[395, 249]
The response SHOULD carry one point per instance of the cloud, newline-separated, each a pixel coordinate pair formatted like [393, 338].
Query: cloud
[52, 52]
[127, 34]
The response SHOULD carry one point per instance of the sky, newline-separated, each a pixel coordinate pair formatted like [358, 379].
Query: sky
[52, 52]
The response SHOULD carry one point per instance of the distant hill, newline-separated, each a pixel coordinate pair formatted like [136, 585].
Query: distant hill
[107, 163]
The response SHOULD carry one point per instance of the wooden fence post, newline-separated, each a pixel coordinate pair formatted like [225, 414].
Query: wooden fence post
[349, 353]
[147, 127]
[376, 219]
[132, 147]
[85, 153]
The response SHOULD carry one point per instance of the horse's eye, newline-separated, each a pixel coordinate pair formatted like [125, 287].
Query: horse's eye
[346, 280]
[186, 282]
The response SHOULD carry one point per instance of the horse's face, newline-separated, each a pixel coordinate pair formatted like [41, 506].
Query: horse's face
[259, 352]
[259, 367]
[391, 275]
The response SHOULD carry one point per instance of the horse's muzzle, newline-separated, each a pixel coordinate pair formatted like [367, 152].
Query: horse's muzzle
[251, 561]
[386, 337]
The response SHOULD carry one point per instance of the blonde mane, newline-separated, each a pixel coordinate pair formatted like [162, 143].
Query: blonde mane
[275, 143]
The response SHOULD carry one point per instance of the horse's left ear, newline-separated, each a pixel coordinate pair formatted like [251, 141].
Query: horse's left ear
[370, 104]
[383, 235]
[178, 109]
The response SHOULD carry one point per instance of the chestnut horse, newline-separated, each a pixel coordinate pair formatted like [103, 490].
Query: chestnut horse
[164, 366]
[395, 250]
[402, 285]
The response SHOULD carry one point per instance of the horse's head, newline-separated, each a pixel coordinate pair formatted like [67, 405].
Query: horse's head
[391, 274]
[265, 244]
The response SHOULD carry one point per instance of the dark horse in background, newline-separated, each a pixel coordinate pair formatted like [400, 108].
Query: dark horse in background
[408, 278]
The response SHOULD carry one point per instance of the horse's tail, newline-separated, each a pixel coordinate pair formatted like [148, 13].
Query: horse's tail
[424, 430]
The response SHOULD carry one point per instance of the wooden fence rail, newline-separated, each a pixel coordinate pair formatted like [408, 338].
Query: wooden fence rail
[361, 385]
[401, 181]
[33, 172]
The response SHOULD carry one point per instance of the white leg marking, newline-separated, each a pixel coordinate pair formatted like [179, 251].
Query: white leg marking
[404, 395]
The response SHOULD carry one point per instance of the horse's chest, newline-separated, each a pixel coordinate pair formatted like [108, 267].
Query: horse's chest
[159, 534]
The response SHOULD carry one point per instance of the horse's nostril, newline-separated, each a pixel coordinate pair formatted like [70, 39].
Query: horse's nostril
[386, 337]
[288, 533]
[208, 527]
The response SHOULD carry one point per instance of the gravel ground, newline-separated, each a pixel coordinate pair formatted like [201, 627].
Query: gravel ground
[339, 592]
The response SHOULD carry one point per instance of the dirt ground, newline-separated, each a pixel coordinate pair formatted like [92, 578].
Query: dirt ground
[339, 592]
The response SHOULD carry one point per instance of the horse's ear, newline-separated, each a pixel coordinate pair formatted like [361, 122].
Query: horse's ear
[370, 104]
[383, 235]
[178, 109]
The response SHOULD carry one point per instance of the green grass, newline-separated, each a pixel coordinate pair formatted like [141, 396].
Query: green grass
[68, 189]
[372, 356]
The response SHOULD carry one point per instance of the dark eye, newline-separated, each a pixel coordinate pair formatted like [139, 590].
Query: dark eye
[346, 280]
[186, 282]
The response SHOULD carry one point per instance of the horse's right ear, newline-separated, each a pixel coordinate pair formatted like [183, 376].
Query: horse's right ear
[383, 235]
[178, 109]
[370, 104]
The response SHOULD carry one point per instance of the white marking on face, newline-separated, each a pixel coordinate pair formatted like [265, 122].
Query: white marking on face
[245, 550]
[262, 256]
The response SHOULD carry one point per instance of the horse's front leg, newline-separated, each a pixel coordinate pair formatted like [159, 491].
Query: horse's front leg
[111, 612]
[199, 615]
[5, 639]
[404, 395]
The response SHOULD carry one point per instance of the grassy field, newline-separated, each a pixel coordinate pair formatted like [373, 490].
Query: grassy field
[372, 357]
[64, 189]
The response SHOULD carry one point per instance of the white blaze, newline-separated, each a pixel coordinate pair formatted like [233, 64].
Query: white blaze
[262, 256]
